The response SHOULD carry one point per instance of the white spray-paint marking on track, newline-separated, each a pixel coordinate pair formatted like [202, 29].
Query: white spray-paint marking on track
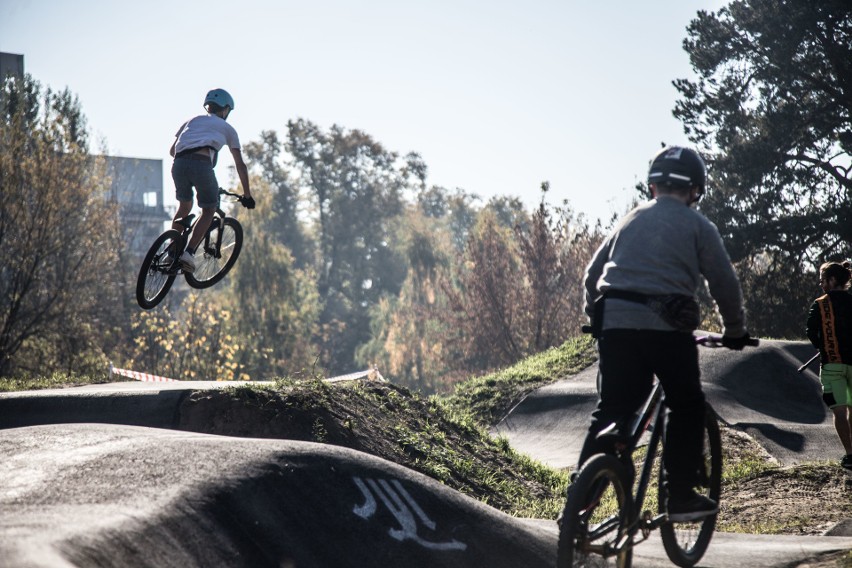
[404, 509]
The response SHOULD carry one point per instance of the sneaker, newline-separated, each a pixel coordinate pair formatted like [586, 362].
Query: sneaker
[187, 262]
[691, 508]
[846, 462]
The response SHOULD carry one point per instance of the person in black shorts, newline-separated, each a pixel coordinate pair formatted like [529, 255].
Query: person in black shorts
[195, 149]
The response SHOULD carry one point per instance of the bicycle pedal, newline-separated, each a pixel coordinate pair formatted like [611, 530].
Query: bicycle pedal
[625, 541]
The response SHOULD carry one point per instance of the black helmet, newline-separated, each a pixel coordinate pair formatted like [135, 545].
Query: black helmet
[678, 167]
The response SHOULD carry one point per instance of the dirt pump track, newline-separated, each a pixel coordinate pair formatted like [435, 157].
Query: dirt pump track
[97, 476]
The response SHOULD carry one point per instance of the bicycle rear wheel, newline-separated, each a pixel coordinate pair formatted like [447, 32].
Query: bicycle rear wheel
[686, 543]
[213, 262]
[156, 274]
[597, 510]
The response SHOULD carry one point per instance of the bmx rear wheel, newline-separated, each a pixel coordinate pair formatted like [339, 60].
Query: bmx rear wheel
[157, 273]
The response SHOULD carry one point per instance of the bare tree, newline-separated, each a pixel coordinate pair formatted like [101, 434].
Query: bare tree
[513, 297]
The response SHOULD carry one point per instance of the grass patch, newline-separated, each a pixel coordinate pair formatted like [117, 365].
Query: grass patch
[489, 398]
[54, 381]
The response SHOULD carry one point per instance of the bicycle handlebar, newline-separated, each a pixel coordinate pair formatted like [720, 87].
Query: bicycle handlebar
[716, 341]
[705, 340]
[246, 202]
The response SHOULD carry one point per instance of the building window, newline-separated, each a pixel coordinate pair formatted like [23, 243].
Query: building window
[149, 198]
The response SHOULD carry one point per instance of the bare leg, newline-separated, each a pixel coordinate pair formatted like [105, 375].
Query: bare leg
[843, 425]
[184, 208]
[201, 226]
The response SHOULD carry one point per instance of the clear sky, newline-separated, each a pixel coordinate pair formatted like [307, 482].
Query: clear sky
[496, 96]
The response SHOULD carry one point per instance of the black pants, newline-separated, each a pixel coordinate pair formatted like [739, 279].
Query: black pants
[629, 359]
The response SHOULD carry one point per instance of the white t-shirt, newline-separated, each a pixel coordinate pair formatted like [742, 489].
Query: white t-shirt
[206, 130]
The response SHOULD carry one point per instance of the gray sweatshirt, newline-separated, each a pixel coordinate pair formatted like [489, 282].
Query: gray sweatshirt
[663, 247]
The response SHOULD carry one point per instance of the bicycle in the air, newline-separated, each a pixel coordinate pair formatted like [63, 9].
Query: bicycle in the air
[215, 256]
[605, 515]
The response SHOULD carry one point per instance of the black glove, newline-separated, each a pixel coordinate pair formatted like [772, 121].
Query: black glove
[248, 202]
[736, 343]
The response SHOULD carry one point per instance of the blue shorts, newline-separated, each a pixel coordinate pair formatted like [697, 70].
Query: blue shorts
[836, 379]
[188, 173]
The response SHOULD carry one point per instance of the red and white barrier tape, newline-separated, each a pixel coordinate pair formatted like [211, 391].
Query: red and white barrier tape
[136, 375]
[370, 374]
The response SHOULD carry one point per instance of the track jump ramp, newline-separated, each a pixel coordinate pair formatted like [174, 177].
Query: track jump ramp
[149, 497]
[758, 391]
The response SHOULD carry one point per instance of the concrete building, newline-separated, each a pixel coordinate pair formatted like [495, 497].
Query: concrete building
[11, 64]
[137, 186]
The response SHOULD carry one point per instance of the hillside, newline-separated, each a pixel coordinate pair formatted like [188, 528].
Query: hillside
[435, 437]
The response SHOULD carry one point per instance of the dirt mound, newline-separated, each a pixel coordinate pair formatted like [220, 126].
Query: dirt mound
[803, 500]
[380, 419]
[390, 422]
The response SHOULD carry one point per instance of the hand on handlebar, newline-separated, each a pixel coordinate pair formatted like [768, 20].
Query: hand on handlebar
[737, 343]
[247, 202]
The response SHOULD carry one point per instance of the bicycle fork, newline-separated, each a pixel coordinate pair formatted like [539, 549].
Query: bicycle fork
[212, 243]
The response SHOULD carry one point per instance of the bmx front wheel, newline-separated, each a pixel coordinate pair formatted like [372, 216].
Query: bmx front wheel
[686, 542]
[214, 258]
[597, 510]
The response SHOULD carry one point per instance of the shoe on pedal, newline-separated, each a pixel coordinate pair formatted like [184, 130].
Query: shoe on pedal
[187, 261]
[691, 507]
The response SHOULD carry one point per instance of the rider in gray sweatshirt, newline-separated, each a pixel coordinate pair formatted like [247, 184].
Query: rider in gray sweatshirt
[642, 283]
[663, 247]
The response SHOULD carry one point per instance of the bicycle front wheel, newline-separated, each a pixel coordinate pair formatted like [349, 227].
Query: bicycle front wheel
[686, 543]
[597, 512]
[217, 253]
[157, 272]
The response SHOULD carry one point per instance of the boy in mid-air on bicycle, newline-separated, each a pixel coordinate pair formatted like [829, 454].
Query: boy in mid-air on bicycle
[640, 298]
[195, 150]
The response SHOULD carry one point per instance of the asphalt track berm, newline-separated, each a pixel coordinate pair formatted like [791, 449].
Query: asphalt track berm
[99, 476]
[758, 391]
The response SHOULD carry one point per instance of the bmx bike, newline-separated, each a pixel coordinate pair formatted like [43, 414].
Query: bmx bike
[605, 517]
[215, 256]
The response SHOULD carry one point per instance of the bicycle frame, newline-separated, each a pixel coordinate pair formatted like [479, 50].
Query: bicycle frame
[651, 413]
[217, 224]
[625, 445]
[188, 225]
[162, 262]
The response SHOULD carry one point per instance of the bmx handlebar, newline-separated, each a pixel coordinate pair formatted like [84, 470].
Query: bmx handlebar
[706, 340]
[716, 341]
[241, 198]
[808, 362]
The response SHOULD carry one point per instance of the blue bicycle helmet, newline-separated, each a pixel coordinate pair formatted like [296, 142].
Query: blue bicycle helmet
[220, 97]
